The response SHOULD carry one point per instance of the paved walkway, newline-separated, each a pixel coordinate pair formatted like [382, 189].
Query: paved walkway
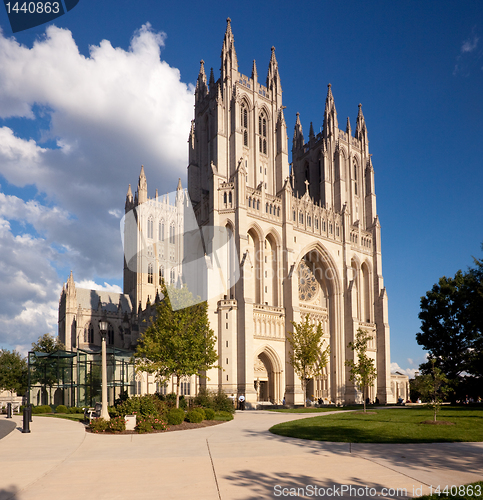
[235, 460]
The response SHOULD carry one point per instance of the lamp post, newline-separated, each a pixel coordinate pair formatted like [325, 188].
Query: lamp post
[103, 325]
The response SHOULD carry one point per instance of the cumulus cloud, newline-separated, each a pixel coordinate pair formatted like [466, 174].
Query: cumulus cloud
[92, 285]
[405, 371]
[102, 116]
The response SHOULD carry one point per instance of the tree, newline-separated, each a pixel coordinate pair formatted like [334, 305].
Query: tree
[432, 388]
[307, 357]
[362, 372]
[179, 341]
[45, 368]
[48, 343]
[13, 372]
[452, 328]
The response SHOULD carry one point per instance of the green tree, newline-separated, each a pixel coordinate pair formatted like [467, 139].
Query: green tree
[45, 368]
[13, 372]
[432, 387]
[307, 357]
[362, 372]
[179, 341]
[452, 328]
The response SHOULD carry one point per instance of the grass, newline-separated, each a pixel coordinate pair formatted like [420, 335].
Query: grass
[469, 491]
[388, 426]
[223, 416]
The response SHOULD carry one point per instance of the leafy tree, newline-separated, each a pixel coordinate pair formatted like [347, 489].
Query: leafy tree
[307, 357]
[179, 341]
[452, 327]
[13, 372]
[45, 369]
[362, 372]
[432, 387]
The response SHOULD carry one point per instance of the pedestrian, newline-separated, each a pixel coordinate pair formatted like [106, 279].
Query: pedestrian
[241, 402]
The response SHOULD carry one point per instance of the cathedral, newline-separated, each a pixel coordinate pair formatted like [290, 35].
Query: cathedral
[307, 238]
[297, 239]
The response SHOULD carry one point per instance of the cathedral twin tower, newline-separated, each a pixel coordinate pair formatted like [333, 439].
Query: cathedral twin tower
[306, 240]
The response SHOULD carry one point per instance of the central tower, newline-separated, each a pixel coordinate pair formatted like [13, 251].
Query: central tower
[303, 242]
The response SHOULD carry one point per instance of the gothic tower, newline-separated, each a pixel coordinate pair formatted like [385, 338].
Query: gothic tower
[306, 241]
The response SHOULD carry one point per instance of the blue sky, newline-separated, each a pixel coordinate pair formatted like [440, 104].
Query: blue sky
[109, 87]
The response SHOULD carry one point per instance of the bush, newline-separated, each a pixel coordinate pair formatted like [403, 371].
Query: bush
[218, 401]
[224, 416]
[98, 425]
[175, 416]
[148, 404]
[61, 409]
[41, 409]
[150, 424]
[171, 401]
[194, 416]
[209, 414]
[117, 424]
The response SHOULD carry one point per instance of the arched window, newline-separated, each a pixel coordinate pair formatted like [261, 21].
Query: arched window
[161, 274]
[244, 123]
[150, 228]
[258, 204]
[262, 133]
[161, 231]
[110, 334]
[266, 208]
[249, 202]
[355, 178]
[293, 213]
[150, 273]
[89, 333]
[230, 198]
[172, 276]
[224, 197]
[171, 234]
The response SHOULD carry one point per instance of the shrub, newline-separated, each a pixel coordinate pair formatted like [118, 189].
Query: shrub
[171, 401]
[175, 416]
[113, 412]
[150, 424]
[41, 409]
[209, 414]
[148, 404]
[194, 416]
[98, 425]
[61, 409]
[218, 401]
[224, 416]
[117, 424]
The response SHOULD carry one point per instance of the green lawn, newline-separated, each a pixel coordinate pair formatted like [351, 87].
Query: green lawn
[402, 425]
[464, 492]
[318, 410]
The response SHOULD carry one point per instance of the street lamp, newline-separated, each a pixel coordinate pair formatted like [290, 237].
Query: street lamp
[103, 326]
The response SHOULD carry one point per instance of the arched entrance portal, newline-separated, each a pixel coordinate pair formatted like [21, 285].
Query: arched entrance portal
[267, 374]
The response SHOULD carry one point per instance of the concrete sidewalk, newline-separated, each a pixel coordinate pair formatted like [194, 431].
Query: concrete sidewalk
[235, 460]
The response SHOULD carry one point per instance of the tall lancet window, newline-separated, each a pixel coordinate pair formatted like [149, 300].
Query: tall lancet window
[262, 133]
[355, 178]
[244, 123]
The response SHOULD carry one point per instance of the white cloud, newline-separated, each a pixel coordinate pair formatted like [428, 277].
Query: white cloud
[92, 285]
[107, 113]
[405, 371]
[470, 44]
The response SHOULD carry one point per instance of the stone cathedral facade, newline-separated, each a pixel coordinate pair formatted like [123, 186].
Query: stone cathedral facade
[307, 239]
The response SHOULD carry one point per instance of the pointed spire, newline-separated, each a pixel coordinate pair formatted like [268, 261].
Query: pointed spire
[201, 87]
[212, 80]
[70, 285]
[361, 130]
[348, 129]
[298, 135]
[228, 53]
[254, 71]
[179, 187]
[330, 115]
[272, 76]
[311, 131]
[142, 187]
